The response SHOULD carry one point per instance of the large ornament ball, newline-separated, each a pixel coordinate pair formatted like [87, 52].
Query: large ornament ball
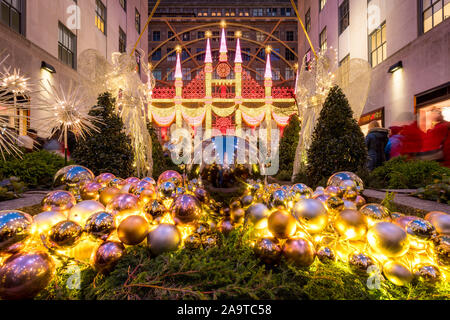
[65, 234]
[246, 201]
[90, 191]
[146, 196]
[107, 194]
[58, 200]
[348, 185]
[142, 185]
[107, 256]
[15, 226]
[325, 254]
[278, 198]
[360, 262]
[133, 230]
[375, 212]
[123, 203]
[201, 194]
[24, 275]
[100, 225]
[71, 176]
[312, 214]
[104, 178]
[154, 209]
[403, 221]
[351, 224]
[350, 195]
[440, 221]
[186, 208]
[299, 251]
[268, 250]
[442, 250]
[170, 176]
[397, 273]
[301, 191]
[428, 273]
[116, 183]
[237, 215]
[282, 224]
[193, 242]
[165, 237]
[225, 226]
[149, 179]
[420, 229]
[337, 178]
[131, 180]
[334, 204]
[256, 212]
[44, 221]
[166, 190]
[388, 239]
[333, 191]
[83, 210]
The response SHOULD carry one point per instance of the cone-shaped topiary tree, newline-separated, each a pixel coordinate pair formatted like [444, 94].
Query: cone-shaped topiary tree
[108, 150]
[288, 146]
[337, 142]
[161, 161]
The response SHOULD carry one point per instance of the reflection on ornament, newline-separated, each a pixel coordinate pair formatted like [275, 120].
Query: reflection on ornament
[90, 191]
[107, 256]
[65, 234]
[301, 191]
[299, 251]
[170, 176]
[312, 214]
[268, 250]
[375, 212]
[225, 226]
[107, 194]
[325, 254]
[100, 225]
[58, 201]
[237, 215]
[133, 230]
[440, 221]
[360, 262]
[334, 204]
[15, 226]
[403, 221]
[186, 208]
[351, 224]
[388, 239]
[428, 273]
[397, 273]
[71, 176]
[83, 210]
[123, 204]
[282, 224]
[165, 237]
[419, 231]
[43, 221]
[104, 178]
[23, 275]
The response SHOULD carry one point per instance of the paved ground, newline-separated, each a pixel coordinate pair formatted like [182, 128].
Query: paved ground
[29, 199]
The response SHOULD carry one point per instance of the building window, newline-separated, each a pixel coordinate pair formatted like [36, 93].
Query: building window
[434, 12]
[344, 16]
[258, 12]
[123, 4]
[286, 12]
[170, 35]
[259, 74]
[171, 54]
[156, 56]
[215, 36]
[170, 74]
[322, 4]
[157, 74]
[185, 54]
[200, 56]
[260, 37]
[276, 74]
[66, 45]
[186, 36]
[200, 34]
[275, 55]
[261, 54]
[138, 61]
[137, 21]
[289, 74]
[230, 35]
[344, 70]
[11, 14]
[289, 55]
[246, 54]
[100, 16]
[186, 74]
[323, 39]
[377, 46]
[122, 41]
[156, 36]
[289, 35]
[308, 59]
[272, 12]
[246, 35]
[308, 20]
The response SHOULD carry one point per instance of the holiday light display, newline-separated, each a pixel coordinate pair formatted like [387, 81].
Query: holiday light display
[293, 222]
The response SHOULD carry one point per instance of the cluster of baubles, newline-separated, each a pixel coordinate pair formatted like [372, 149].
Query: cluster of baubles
[94, 218]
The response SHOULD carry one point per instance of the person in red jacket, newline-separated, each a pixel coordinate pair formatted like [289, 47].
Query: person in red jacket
[436, 144]
[412, 139]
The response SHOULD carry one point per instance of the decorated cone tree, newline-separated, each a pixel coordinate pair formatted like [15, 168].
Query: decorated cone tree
[337, 142]
[161, 162]
[288, 146]
[108, 150]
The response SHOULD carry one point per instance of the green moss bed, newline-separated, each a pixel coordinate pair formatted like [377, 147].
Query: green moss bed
[227, 271]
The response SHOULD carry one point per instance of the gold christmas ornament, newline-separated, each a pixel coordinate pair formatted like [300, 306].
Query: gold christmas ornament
[403, 221]
[142, 185]
[428, 273]
[71, 176]
[246, 201]
[100, 225]
[58, 201]
[237, 215]
[201, 194]
[322, 198]
[44, 221]
[166, 190]
[268, 250]
[350, 195]
[116, 183]
[104, 178]
[388, 239]
[124, 204]
[24, 275]
[359, 262]
[154, 209]
[333, 191]
[83, 210]
[256, 212]
[351, 224]
[277, 198]
[90, 191]
[348, 185]
[338, 178]
[442, 249]
[125, 188]
[165, 237]
[301, 191]
[299, 251]
[325, 254]
[349, 205]
[312, 214]
[440, 221]
[397, 273]
[133, 230]
[186, 208]
[107, 194]
[193, 242]
[334, 204]
[359, 201]
[170, 176]
[146, 196]
[65, 234]
[15, 226]
[107, 256]
[419, 231]
[225, 226]
[375, 212]
[282, 224]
